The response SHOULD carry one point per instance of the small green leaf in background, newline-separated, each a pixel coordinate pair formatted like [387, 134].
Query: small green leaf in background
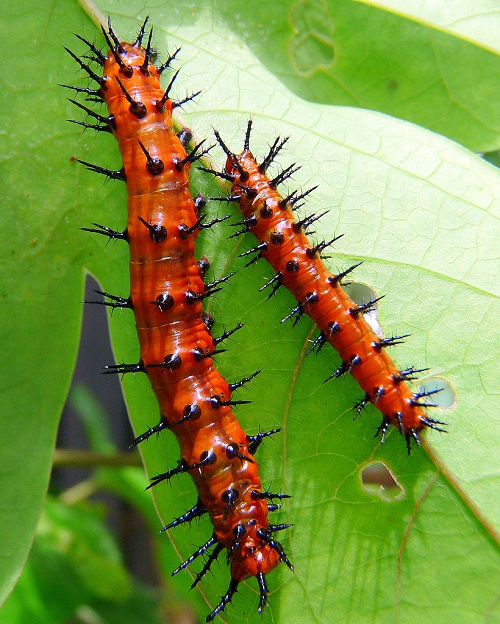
[74, 560]
[418, 209]
[129, 484]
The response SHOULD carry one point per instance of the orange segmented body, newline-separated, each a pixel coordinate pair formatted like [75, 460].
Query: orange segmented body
[167, 291]
[319, 293]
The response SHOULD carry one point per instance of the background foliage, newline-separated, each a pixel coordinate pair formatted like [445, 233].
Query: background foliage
[417, 208]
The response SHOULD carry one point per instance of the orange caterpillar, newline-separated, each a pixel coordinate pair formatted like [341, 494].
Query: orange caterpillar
[319, 293]
[167, 290]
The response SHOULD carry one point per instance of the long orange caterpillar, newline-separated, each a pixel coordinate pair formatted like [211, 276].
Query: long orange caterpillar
[167, 291]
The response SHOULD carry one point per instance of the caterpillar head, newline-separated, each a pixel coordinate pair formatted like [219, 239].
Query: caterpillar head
[254, 552]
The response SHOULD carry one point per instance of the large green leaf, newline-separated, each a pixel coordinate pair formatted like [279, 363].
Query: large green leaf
[420, 210]
[434, 63]
[41, 269]
[478, 22]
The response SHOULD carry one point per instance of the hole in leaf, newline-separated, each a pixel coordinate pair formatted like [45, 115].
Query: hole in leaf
[361, 294]
[378, 479]
[446, 398]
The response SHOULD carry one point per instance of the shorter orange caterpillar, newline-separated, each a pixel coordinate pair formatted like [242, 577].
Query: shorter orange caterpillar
[298, 265]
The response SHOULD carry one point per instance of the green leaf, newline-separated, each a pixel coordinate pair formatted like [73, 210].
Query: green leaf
[139, 607]
[435, 63]
[94, 419]
[41, 269]
[417, 208]
[476, 22]
[90, 547]
[74, 561]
